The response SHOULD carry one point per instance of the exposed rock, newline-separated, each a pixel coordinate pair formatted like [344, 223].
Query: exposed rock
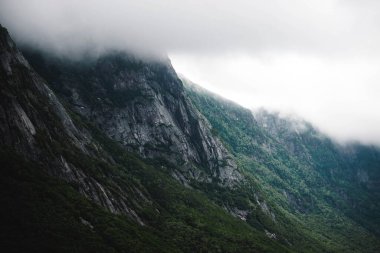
[33, 121]
[241, 214]
[87, 223]
[142, 105]
[270, 235]
[265, 209]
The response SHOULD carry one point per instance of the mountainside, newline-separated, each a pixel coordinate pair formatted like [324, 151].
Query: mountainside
[328, 190]
[117, 154]
[142, 106]
[352, 170]
[68, 187]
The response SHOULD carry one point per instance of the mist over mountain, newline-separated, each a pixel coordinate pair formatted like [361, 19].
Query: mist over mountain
[319, 60]
[197, 26]
[105, 147]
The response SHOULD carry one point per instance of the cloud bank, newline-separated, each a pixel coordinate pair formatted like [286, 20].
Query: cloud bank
[340, 97]
[319, 59]
[330, 27]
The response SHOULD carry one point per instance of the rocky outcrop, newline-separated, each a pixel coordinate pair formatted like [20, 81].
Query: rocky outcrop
[34, 124]
[139, 104]
[142, 105]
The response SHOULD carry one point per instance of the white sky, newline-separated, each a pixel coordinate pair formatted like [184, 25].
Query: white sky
[341, 97]
[316, 58]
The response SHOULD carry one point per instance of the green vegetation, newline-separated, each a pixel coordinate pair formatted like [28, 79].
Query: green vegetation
[48, 214]
[305, 211]
[306, 180]
[299, 193]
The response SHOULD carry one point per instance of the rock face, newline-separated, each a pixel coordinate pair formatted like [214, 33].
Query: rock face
[23, 94]
[35, 124]
[142, 105]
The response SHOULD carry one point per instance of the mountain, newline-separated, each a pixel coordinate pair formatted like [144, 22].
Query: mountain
[142, 106]
[328, 190]
[68, 185]
[117, 154]
[352, 171]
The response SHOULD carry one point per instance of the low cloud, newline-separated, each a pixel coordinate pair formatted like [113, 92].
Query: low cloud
[328, 27]
[319, 59]
[341, 97]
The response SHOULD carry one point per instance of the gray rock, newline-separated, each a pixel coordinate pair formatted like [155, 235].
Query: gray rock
[142, 105]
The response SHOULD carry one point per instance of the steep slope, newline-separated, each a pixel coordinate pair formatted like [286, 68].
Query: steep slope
[353, 170]
[68, 187]
[35, 124]
[127, 160]
[140, 104]
[307, 178]
[154, 118]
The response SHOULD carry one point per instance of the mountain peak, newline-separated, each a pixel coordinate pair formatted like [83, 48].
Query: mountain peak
[141, 104]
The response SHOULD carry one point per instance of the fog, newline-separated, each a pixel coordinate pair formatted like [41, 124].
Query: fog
[340, 97]
[318, 59]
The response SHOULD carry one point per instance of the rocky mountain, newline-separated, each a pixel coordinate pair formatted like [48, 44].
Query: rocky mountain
[117, 154]
[37, 126]
[142, 106]
[71, 183]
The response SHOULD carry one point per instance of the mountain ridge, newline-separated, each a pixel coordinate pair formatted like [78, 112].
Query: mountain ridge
[152, 94]
[64, 179]
[120, 152]
[304, 172]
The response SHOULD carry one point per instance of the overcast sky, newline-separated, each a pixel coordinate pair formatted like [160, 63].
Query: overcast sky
[319, 59]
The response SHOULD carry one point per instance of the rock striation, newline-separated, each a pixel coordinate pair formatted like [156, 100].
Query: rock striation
[142, 105]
